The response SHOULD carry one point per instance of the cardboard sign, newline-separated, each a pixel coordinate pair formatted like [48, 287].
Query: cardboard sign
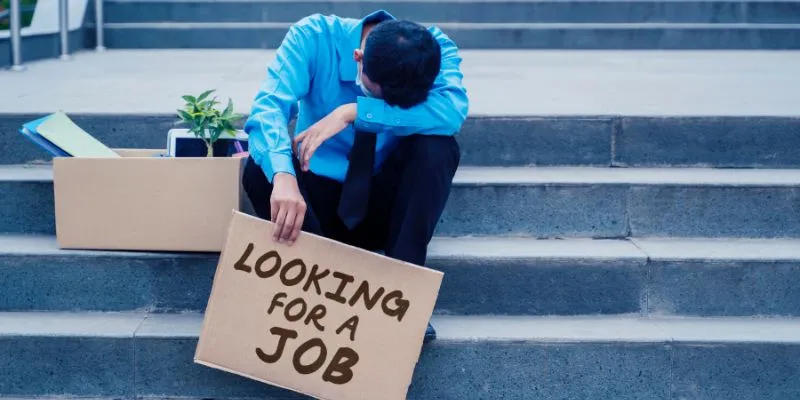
[318, 317]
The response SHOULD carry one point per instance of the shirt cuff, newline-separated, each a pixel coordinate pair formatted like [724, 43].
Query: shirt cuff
[370, 114]
[278, 162]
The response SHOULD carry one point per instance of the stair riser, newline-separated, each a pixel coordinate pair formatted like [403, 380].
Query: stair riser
[621, 211]
[589, 210]
[723, 288]
[163, 367]
[470, 287]
[490, 141]
[579, 38]
[745, 142]
[173, 284]
[460, 11]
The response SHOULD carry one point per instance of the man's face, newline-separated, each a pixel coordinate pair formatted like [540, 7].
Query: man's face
[372, 87]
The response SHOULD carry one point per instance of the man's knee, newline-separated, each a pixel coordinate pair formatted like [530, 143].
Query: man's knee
[432, 151]
[257, 188]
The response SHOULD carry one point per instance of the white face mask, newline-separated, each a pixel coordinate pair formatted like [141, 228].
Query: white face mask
[361, 85]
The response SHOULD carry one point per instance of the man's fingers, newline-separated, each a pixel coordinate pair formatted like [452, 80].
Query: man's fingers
[273, 210]
[280, 222]
[297, 139]
[304, 147]
[298, 224]
[288, 226]
[309, 152]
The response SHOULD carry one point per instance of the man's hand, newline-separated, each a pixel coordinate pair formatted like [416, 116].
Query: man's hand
[323, 130]
[288, 208]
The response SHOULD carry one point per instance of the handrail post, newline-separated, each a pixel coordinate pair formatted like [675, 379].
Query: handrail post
[63, 27]
[16, 36]
[98, 25]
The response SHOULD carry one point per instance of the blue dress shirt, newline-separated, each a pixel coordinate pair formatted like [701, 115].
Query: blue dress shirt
[314, 72]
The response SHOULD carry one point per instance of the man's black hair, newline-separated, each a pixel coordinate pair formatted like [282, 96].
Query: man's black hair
[404, 59]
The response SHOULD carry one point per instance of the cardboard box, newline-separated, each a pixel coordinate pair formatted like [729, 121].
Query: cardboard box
[318, 317]
[141, 202]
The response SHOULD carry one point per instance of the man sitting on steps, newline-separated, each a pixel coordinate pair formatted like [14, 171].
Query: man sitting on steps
[377, 102]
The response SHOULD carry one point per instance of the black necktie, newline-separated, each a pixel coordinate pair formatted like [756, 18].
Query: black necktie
[355, 189]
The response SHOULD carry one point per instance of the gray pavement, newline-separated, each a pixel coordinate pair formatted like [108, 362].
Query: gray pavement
[471, 175]
[499, 82]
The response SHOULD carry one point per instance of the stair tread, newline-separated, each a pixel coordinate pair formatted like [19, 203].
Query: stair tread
[654, 176]
[441, 247]
[93, 324]
[449, 328]
[472, 175]
[641, 249]
[459, 1]
[682, 249]
[468, 25]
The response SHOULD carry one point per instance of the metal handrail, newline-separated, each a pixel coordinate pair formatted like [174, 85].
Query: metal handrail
[15, 27]
[98, 25]
[63, 27]
[14, 15]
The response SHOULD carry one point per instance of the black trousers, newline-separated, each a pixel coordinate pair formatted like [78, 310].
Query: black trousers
[407, 197]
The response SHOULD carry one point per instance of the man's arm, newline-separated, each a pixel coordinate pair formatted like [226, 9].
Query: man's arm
[442, 113]
[288, 80]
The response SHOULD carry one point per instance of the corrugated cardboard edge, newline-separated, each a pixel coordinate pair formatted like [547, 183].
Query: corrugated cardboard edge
[132, 152]
[199, 361]
[222, 368]
[57, 161]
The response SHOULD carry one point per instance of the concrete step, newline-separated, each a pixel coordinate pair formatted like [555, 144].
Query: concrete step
[141, 355]
[546, 202]
[526, 11]
[469, 35]
[495, 276]
[630, 141]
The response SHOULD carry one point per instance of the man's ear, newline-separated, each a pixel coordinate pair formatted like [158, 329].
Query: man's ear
[358, 55]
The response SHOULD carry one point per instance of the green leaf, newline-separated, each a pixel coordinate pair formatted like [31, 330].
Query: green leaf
[185, 116]
[189, 99]
[205, 94]
[228, 110]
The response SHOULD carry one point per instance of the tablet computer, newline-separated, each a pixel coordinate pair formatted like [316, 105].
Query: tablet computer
[182, 143]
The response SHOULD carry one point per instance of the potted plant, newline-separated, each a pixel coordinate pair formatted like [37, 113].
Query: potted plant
[206, 121]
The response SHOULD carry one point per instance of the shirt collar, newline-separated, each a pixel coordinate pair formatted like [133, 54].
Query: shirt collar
[348, 68]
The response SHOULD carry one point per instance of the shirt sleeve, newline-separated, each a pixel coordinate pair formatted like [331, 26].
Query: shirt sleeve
[288, 80]
[442, 113]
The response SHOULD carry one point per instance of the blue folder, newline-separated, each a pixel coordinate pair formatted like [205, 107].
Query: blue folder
[29, 130]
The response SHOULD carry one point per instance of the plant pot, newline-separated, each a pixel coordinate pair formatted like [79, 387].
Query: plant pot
[196, 147]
